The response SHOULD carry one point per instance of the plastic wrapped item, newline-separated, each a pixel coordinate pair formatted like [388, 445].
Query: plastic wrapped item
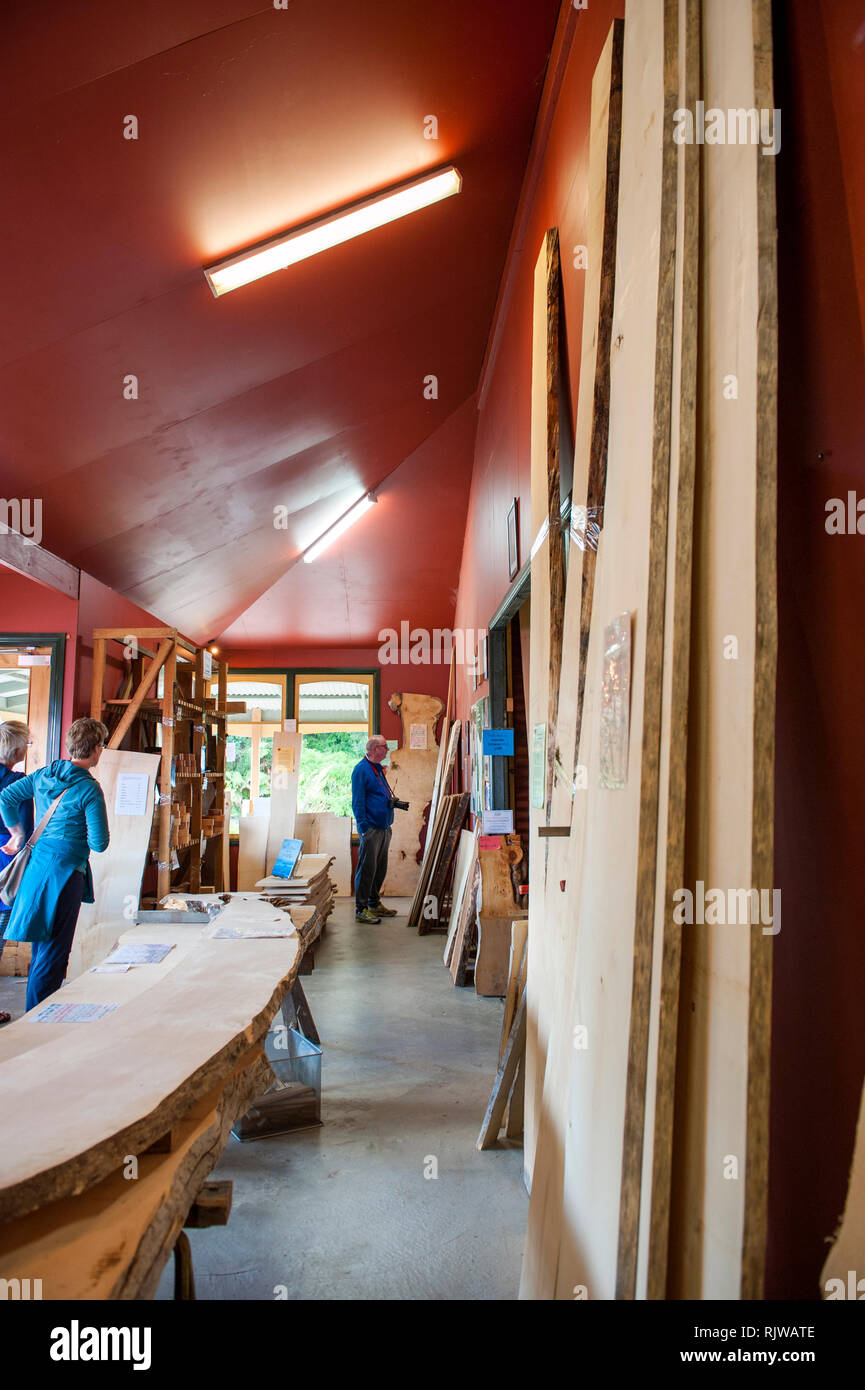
[586, 523]
[616, 703]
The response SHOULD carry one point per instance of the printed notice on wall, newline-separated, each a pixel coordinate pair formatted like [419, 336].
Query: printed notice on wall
[616, 703]
[498, 822]
[131, 796]
[417, 736]
[284, 757]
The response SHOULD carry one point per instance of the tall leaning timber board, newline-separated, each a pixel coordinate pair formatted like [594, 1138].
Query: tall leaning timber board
[552, 932]
[547, 615]
[118, 871]
[606, 864]
[600, 1214]
[718, 1222]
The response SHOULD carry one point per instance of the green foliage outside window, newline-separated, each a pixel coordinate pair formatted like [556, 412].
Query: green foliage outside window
[238, 772]
[326, 766]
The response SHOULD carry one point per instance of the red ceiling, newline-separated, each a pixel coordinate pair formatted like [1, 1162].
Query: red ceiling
[299, 391]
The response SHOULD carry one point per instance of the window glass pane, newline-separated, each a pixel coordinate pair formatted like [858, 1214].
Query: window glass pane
[333, 702]
[238, 772]
[256, 693]
[326, 765]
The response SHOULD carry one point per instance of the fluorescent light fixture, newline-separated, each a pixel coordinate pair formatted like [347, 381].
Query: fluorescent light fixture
[338, 527]
[290, 247]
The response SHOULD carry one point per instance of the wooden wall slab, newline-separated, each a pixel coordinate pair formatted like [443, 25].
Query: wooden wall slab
[411, 775]
[118, 872]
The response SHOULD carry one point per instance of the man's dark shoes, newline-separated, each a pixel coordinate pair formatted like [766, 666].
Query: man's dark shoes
[366, 915]
[383, 911]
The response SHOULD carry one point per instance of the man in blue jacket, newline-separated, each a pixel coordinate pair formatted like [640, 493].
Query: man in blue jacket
[372, 804]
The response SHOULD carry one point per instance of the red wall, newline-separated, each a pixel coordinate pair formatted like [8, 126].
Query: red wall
[818, 1061]
[501, 465]
[419, 680]
[31, 607]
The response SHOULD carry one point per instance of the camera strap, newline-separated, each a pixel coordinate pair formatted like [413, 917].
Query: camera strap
[378, 772]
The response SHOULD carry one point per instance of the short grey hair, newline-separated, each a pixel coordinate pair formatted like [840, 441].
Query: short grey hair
[85, 736]
[14, 738]
[371, 742]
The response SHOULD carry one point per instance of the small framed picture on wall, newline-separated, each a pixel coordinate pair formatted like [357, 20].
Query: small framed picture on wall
[514, 539]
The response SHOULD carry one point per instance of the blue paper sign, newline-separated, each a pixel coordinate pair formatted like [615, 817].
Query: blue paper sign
[498, 743]
[287, 858]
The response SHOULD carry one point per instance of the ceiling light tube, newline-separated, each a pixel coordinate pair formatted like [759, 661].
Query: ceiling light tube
[338, 527]
[308, 240]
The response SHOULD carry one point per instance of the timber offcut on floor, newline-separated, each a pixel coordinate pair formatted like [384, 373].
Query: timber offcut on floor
[345, 1211]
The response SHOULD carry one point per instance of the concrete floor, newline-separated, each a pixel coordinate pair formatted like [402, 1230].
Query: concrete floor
[344, 1211]
[12, 992]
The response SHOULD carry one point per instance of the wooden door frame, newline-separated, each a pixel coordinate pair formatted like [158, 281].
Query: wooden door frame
[57, 642]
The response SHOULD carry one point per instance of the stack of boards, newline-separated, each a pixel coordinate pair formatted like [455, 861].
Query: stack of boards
[462, 925]
[647, 1033]
[432, 905]
[310, 885]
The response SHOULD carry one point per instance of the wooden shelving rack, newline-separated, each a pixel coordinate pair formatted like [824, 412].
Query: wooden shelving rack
[190, 722]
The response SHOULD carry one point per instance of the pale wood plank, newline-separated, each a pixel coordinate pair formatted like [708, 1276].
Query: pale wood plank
[34, 562]
[504, 1080]
[117, 873]
[552, 924]
[717, 1239]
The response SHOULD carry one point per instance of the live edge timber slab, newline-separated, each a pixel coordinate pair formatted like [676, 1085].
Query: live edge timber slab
[85, 1096]
[112, 1241]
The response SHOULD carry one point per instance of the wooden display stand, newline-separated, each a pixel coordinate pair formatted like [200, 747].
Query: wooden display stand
[190, 722]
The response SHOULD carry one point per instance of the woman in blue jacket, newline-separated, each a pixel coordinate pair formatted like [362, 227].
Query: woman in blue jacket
[14, 742]
[58, 878]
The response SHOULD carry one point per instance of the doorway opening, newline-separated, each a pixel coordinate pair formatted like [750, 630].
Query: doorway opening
[31, 690]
